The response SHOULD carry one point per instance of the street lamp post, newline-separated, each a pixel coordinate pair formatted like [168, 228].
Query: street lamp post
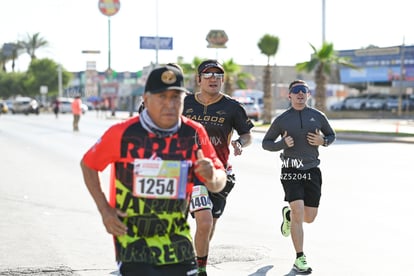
[109, 43]
[402, 77]
[109, 8]
[60, 92]
[323, 21]
[157, 42]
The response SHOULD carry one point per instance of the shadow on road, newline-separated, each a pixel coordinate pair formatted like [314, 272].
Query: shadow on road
[262, 271]
[294, 272]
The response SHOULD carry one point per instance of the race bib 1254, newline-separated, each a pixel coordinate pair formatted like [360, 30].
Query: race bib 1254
[165, 179]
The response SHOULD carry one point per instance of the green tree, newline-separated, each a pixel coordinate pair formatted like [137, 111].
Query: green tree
[323, 61]
[12, 84]
[33, 43]
[17, 50]
[190, 72]
[241, 78]
[268, 46]
[3, 59]
[231, 71]
[44, 72]
[194, 65]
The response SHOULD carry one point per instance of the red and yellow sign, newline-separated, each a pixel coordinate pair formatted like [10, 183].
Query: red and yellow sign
[109, 7]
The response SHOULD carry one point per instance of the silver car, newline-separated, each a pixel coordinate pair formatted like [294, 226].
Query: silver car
[25, 105]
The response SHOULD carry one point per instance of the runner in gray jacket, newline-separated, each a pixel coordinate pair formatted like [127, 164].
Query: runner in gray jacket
[301, 130]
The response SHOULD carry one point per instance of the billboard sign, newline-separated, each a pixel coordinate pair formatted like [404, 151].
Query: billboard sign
[378, 64]
[150, 42]
[8, 49]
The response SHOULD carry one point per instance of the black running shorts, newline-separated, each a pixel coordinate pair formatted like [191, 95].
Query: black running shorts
[219, 200]
[302, 184]
[134, 269]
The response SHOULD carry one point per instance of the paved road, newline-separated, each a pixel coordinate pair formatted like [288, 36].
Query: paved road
[50, 226]
[350, 129]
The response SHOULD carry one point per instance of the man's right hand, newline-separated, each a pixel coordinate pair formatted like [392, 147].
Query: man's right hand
[113, 224]
[288, 139]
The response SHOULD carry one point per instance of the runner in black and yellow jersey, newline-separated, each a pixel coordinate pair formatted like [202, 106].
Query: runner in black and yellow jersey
[221, 115]
[156, 158]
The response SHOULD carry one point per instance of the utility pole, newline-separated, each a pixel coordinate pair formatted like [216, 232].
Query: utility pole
[157, 39]
[402, 77]
[323, 22]
[60, 80]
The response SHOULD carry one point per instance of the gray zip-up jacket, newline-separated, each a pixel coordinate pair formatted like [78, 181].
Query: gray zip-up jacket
[297, 124]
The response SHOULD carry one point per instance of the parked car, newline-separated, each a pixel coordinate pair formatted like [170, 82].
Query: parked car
[65, 105]
[358, 102]
[377, 102]
[338, 106]
[25, 105]
[253, 110]
[3, 107]
[345, 104]
[407, 102]
[255, 95]
[9, 104]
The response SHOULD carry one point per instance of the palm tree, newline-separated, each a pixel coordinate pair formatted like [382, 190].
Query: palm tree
[195, 63]
[322, 61]
[268, 46]
[3, 59]
[33, 43]
[16, 52]
[231, 70]
[241, 78]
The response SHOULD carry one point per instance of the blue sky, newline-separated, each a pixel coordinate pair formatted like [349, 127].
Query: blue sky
[75, 25]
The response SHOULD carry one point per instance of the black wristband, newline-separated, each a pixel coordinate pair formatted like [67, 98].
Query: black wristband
[239, 141]
[325, 141]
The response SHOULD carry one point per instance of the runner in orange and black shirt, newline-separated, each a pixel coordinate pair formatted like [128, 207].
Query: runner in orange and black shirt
[157, 157]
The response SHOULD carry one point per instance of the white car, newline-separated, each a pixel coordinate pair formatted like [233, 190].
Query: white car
[65, 105]
[253, 110]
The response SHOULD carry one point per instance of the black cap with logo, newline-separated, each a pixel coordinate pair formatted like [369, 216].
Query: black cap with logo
[210, 63]
[165, 78]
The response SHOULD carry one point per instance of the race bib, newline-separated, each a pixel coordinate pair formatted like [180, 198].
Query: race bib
[161, 179]
[200, 199]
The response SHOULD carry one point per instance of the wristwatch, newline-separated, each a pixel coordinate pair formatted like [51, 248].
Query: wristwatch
[325, 141]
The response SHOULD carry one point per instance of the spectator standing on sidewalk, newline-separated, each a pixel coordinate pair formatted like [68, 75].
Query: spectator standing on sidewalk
[221, 116]
[77, 112]
[156, 158]
[302, 130]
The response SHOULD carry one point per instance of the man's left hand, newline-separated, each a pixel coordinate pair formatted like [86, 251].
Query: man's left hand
[315, 139]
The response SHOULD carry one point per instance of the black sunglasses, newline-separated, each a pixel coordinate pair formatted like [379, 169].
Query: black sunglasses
[299, 88]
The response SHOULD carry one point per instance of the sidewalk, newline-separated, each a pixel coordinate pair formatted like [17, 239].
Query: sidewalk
[352, 129]
[359, 129]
